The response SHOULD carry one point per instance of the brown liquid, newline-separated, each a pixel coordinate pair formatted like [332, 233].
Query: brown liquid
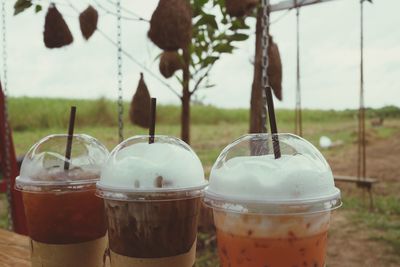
[153, 229]
[248, 251]
[65, 218]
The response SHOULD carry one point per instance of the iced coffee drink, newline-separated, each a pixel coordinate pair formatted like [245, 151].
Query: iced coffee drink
[65, 219]
[271, 211]
[152, 194]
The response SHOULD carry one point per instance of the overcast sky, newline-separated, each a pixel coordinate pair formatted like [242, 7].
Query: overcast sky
[329, 57]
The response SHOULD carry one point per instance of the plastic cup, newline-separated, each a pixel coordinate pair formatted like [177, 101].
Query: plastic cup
[65, 218]
[152, 194]
[271, 212]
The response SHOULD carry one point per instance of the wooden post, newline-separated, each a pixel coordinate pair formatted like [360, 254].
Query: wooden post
[185, 115]
[256, 103]
[362, 172]
[16, 205]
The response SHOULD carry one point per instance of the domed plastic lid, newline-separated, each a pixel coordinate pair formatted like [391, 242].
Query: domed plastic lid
[247, 178]
[43, 168]
[137, 170]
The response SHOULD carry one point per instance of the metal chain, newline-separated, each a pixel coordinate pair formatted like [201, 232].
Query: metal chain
[265, 61]
[7, 171]
[298, 123]
[119, 62]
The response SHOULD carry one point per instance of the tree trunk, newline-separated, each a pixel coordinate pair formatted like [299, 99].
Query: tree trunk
[256, 102]
[185, 115]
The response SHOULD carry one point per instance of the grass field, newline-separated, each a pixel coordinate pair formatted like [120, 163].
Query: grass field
[385, 218]
[34, 113]
[212, 129]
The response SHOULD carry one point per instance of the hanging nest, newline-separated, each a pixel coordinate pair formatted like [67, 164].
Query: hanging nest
[275, 68]
[170, 62]
[139, 112]
[88, 21]
[56, 32]
[171, 25]
[240, 8]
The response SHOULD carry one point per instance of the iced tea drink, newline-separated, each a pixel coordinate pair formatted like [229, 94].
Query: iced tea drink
[67, 228]
[271, 211]
[65, 219]
[257, 240]
[152, 195]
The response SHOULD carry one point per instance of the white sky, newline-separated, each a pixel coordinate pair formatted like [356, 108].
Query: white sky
[329, 56]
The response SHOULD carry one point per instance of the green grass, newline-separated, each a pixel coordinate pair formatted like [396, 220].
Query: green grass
[207, 252]
[384, 219]
[207, 139]
[211, 128]
[41, 113]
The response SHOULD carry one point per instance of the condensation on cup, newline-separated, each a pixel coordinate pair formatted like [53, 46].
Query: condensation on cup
[272, 212]
[65, 219]
[152, 195]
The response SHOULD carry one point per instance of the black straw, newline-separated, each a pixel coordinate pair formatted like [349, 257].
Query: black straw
[152, 128]
[70, 137]
[272, 122]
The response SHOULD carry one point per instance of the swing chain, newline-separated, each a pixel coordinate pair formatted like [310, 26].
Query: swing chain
[7, 171]
[119, 62]
[4, 29]
[298, 109]
[265, 61]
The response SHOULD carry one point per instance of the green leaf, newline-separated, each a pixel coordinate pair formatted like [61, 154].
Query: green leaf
[239, 24]
[38, 8]
[209, 60]
[223, 48]
[201, 37]
[21, 6]
[221, 36]
[201, 3]
[196, 8]
[238, 37]
[198, 52]
[207, 19]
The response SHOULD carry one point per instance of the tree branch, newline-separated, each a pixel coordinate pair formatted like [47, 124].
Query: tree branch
[197, 85]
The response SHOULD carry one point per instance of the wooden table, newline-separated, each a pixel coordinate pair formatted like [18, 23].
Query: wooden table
[14, 250]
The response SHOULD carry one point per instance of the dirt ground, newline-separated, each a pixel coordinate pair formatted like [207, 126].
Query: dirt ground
[350, 244]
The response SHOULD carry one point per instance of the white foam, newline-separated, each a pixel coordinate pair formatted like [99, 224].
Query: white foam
[139, 165]
[289, 178]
